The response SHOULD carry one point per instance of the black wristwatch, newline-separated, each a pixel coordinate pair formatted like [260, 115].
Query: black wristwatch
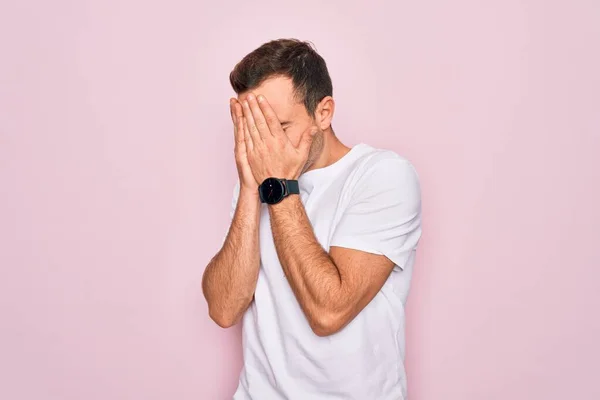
[273, 190]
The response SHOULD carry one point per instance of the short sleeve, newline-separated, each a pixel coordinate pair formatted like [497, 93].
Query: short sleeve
[383, 215]
[234, 199]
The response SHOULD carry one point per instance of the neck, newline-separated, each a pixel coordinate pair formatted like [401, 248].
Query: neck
[332, 151]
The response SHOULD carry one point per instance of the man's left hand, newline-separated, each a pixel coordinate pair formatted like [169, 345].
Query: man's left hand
[270, 151]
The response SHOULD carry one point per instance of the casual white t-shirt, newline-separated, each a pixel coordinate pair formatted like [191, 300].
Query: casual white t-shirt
[368, 200]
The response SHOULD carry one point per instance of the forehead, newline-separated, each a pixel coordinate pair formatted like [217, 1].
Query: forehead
[279, 92]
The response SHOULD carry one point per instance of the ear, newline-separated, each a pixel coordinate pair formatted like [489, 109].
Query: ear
[324, 113]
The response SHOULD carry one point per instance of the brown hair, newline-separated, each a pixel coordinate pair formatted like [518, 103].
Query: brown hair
[292, 58]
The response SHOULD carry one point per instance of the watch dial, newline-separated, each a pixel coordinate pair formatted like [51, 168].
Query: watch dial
[272, 190]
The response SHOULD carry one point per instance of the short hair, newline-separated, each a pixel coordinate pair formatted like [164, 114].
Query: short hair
[292, 58]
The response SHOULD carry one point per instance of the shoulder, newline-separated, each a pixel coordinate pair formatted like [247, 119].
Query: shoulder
[381, 166]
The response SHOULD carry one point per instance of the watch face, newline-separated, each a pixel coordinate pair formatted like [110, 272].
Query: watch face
[271, 191]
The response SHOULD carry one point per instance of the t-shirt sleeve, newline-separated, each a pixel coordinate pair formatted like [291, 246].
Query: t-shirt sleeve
[234, 199]
[383, 215]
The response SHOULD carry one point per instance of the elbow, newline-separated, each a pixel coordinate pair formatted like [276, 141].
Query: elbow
[223, 319]
[327, 323]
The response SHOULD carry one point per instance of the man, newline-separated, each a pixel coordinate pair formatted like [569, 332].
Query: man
[319, 255]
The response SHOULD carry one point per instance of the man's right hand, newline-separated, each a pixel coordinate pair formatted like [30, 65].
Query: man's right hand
[229, 279]
[247, 181]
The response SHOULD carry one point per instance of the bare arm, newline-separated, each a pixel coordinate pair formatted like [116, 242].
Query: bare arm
[230, 278]
[331, 288]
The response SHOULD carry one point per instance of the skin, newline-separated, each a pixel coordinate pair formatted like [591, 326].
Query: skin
[278, 138]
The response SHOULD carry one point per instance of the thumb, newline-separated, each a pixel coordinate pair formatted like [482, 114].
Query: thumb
[307, 138]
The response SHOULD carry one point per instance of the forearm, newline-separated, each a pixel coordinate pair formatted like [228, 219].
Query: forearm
[313, 276]
[230, 278]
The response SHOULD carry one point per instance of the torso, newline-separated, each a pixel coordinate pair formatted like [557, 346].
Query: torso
[283, 358]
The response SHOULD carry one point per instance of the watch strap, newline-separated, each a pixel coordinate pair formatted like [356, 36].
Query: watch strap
[292, 186]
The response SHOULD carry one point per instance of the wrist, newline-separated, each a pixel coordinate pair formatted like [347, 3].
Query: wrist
[289, 202]
[274, 190]
[247, 191]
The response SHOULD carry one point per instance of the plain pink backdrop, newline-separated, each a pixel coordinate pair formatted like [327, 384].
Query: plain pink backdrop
[116, 171]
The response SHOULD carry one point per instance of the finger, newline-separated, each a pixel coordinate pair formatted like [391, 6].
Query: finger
[250, 124]
[238, 123]
[259, 118]
[247, 138]
[232, 103]
[237, 134]
[270, 117]
[306, 140]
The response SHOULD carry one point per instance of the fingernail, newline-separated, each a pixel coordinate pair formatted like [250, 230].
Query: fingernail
[246, 103]
[250, 96]
[260, 98]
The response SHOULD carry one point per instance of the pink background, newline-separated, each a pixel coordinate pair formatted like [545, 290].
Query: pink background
[116, 171]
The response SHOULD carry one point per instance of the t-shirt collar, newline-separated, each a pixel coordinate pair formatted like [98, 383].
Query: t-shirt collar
[312, 178]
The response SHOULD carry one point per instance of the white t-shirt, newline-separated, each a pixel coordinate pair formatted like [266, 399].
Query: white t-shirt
[368, 200]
